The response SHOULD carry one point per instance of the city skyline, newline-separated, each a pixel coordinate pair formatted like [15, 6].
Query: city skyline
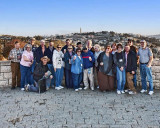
[50, 17]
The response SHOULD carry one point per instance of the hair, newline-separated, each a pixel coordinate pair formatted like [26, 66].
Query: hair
[113, 44]
[67, 40]
[58, 45]
[98, 46]
[16, 42]
[127, 44]
[78, 50]
[119, 45]
[107, 46]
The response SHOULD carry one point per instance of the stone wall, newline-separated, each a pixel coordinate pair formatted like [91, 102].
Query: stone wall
[5, 74]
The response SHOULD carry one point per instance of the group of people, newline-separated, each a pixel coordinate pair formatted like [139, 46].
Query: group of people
[113, 67]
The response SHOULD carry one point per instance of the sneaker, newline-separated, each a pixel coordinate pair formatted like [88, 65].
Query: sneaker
[97, 87]
[79, 88]
[127, 90]
[26, 87]
[142, 91]
[61, 87]
[131, 92]
[92, 89]
[150, 92]
[22, 89]
[47, 88]
[118, 92]
[122, 92]
[57, 88]
[85, 88]
[76, 90]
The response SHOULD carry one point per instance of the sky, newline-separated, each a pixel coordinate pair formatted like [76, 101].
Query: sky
[50, 17]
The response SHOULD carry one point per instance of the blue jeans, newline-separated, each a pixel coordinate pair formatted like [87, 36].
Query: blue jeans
[77, 78]
[59, 76]
[68, 78]
[32, 70]
[146, 72]
[50, 66]
[35, 88]
[25, 75]
[121, 79]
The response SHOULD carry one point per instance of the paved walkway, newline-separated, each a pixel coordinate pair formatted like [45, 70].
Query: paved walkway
[84, 109]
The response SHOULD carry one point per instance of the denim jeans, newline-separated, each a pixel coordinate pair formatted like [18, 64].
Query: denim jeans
[121, 79]
[68, 78]
[135, 80]
[77, 78]
[25, 75]
[50, 66]
[32, 70]
[146, 72]
[59, 76]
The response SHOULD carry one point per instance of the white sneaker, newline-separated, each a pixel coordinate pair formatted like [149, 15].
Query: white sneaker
[26, 87]
[61, 87]
[131, 92]
[92, 89]
[127, 90]
[57, 88]
[122, 92]
[142, 91]
[118, 92]
[79, 88]
[76, 90]
[97, 87]
[150, 92]
[22, 89]
[85, 88]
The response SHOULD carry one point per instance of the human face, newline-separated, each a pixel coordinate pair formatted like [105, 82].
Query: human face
[96, 49]
[42, 43]
[114, 47]
[28, 48]
[79, 46]
[143, 44]
[68, 42]
[107, 49]
[59, 48]
[127, 48]
[32, 42]
[17, 45]
[51, 44]
[70, 49]
[85, 51]
[78, 52]
[44, 61]
[130, 43]
[119, 48]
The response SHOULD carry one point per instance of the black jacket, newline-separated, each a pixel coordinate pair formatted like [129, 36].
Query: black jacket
[39, 54]
[49, 54]
[131, 62]
[110, 63]
[117, 61]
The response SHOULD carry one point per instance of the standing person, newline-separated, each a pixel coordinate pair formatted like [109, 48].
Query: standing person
[39, 53]
[89, 46]
[41, 70]
[25, 66]
[67, 59]
[49, 54]
[105, 75]
[133, 49]
[58, 66]
[77, 69]
[119, 60]
[131, 67]
[88, 61]
[146, 58]
[79, 45]
[65, 48]
[114, 48]
[15, 57]
[96, 67]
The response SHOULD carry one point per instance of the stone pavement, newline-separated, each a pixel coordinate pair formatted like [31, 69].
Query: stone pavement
[84, 109]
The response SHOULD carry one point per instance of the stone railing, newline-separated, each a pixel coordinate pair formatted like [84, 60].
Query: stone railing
[155, 74]
[5, 73]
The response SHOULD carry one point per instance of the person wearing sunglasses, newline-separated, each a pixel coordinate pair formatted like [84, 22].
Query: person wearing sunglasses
[105, 74]
[77, 69]
[67, 59]
[58, 66]
[119, 60]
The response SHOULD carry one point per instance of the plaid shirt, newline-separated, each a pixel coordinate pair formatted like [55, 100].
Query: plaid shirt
[14, 53]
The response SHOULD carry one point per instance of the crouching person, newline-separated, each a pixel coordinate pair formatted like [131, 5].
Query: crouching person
[41, 72]
[76, 69]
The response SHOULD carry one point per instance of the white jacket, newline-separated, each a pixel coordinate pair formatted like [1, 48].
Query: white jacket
[57, 59]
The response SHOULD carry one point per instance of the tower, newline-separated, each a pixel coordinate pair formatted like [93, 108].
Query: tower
[80, 30]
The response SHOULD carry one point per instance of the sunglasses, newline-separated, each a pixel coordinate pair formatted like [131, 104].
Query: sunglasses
[78, 51]
[58, 47]
[69, 48]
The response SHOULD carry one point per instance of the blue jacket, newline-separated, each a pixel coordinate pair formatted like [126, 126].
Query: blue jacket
[39, 54]
[77, 65]
[86, 62]
[49, 54]
[66, 60]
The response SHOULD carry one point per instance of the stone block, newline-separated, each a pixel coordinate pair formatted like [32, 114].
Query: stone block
[6, 63]
[5, 68]
[7, 75]
[3, 82]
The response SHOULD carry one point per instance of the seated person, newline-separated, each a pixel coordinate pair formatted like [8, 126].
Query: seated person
[41, 71]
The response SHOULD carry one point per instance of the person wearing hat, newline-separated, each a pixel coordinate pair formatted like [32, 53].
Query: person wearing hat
[58, 66]
[41, 71]
[145, 60]
[15, 57]
[67, 59]
[88, 61]
[25, 66]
